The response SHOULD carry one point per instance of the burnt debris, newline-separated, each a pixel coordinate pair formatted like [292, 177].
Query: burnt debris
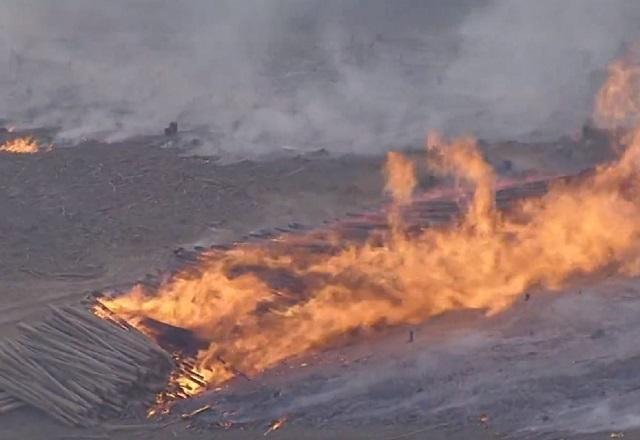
[171, 130]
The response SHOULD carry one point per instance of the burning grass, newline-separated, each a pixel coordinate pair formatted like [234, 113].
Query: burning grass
[618, 101]
[486, 260]
[22, 145]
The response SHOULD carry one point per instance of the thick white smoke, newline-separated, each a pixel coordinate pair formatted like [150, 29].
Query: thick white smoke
[356, 75]
[533, 67]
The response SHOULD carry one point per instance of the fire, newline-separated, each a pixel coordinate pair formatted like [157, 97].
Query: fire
[275, 425]
[401, 181]
[401, 177]
[618, 101]
[23, 145]
[485, 261]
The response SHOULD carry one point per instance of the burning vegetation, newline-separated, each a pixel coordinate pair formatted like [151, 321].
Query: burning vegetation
[22, 145]
[485, 260]
[618, 101]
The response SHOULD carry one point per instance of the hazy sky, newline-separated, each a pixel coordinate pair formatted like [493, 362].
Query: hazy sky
[351, 75]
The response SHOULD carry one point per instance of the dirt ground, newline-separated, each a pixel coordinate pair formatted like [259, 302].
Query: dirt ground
[99, 216]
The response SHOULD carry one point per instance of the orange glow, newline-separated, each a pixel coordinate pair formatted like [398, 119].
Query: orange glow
[400, 173]
[24, 145]
[462, 158]
[401, 178]
[618, 101]
[275, 425]
[485, 261]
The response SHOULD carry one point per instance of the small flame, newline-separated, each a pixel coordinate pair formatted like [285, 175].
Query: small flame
[401, 182]
[196, 412]
[184, 382]
[275, 425]
[401, 177]
[618, 101]
[23, 145]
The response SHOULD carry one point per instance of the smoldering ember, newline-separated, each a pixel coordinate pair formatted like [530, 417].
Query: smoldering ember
[319, 220]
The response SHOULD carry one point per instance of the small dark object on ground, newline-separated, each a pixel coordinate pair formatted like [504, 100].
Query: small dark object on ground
[172, 129]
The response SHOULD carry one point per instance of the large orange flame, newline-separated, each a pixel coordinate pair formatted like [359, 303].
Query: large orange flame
[485, 261]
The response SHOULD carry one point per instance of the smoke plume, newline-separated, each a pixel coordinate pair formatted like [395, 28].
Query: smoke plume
[357, 75]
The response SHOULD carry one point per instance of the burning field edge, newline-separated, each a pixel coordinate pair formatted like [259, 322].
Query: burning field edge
[131, 365]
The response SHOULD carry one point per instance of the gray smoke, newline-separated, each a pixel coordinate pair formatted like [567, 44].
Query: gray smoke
[356, 75]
